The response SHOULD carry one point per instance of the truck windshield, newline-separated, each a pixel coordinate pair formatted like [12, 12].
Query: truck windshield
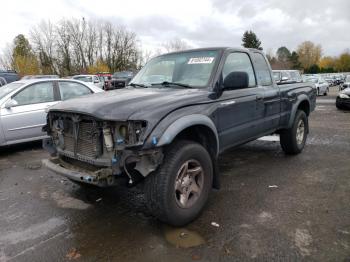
[187, 68]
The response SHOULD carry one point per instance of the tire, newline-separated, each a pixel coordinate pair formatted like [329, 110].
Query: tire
[166, 202]
[339, 106]
[289, 140]
[326, 93]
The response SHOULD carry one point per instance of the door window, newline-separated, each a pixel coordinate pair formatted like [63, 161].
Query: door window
[239, 62]
[262, 70]
[35, 94]
[70, 90]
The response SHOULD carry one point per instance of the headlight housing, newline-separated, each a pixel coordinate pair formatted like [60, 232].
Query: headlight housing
[343, 96]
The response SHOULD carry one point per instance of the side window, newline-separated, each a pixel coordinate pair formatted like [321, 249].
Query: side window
[70, 90]
[262, 70]
[35, 94]
[239, 62]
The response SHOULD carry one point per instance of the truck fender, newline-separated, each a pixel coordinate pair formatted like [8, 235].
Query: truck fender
[301, 98]
[187, 121]
[184, 122]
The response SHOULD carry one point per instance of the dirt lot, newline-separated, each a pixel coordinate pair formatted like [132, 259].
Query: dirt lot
[271, 207]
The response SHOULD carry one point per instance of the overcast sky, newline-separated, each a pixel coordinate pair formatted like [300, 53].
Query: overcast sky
[200, 23]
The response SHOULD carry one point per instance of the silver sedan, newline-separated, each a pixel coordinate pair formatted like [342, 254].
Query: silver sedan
[24, 103]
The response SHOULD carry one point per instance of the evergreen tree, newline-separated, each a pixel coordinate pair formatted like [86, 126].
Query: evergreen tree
[250, 40]
[294, 60]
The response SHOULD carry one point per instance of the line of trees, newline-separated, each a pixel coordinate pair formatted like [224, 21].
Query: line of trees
[307, 57]
[73, 46]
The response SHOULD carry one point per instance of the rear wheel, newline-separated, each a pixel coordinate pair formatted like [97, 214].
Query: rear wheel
[293, 139]
[178, 191]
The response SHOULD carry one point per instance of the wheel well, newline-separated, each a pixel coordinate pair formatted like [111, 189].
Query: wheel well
[304, 106]
[207, 138]
[202, 135]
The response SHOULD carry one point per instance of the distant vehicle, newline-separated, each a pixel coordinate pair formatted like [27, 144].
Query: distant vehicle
[106, 78]
[330, 81]
[287, 76]
[93, 79]
[346, 83]
[23, 106]
[9, 75]
[40, 77]
[2, 81]
[121, 79]
[321, 85]
[343, 99]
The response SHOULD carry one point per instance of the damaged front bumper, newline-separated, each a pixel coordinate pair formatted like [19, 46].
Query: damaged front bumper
[101, 178]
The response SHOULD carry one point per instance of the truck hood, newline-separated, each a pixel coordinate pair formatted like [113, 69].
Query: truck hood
[133, 103]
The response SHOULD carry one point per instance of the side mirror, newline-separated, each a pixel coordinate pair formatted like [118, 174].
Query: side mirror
[236, 80]
[11, 103]
[96, 81]
[284, 78]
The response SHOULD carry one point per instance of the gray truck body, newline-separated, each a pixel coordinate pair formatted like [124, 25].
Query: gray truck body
[86, 131]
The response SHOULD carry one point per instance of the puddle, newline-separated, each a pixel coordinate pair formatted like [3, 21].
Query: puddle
[182, 237]
[64, 201]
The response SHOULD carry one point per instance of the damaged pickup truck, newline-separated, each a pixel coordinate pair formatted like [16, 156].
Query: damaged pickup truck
[167, 128]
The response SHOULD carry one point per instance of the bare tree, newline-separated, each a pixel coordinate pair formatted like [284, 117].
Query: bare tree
[175, 44]
[309, 54]
[43, 38]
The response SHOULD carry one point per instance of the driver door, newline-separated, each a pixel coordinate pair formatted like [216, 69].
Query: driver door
[26, 119]
[239, 110]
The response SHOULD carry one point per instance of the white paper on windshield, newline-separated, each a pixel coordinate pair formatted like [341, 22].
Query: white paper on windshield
[201, 60]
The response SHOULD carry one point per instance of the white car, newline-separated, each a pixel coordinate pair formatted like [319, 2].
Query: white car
[321, 85]
[24, 103]
[93, 79]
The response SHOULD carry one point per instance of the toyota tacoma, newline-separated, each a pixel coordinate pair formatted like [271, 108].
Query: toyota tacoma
[167, 128]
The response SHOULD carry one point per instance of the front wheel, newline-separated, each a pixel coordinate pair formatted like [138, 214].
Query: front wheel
[178, 191]
[293, 140]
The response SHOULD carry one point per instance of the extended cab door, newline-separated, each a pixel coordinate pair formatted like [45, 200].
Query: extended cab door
[271, 94]
[239, 110]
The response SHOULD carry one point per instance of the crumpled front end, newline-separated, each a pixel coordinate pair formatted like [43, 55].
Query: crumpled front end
[97, 151]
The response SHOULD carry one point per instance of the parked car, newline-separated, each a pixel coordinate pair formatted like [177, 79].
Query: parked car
[346, 83]
[343, 99]
[106, 78]
[169, 134]
[330, 81]
[23, 106]
[92, 79]
[9, 75]
[287, 76]
[2, 81]
[321, 85]
[40, 77]
[121, 79]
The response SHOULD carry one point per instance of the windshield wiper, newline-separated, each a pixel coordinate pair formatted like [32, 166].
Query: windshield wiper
[166, 83]
[139, 85]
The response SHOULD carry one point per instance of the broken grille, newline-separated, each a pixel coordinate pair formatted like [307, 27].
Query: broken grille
[86, 142]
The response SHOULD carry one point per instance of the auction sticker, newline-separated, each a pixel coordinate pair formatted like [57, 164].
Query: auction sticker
[201, 60]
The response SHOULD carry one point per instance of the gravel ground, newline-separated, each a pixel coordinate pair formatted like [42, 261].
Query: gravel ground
[271, 207]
